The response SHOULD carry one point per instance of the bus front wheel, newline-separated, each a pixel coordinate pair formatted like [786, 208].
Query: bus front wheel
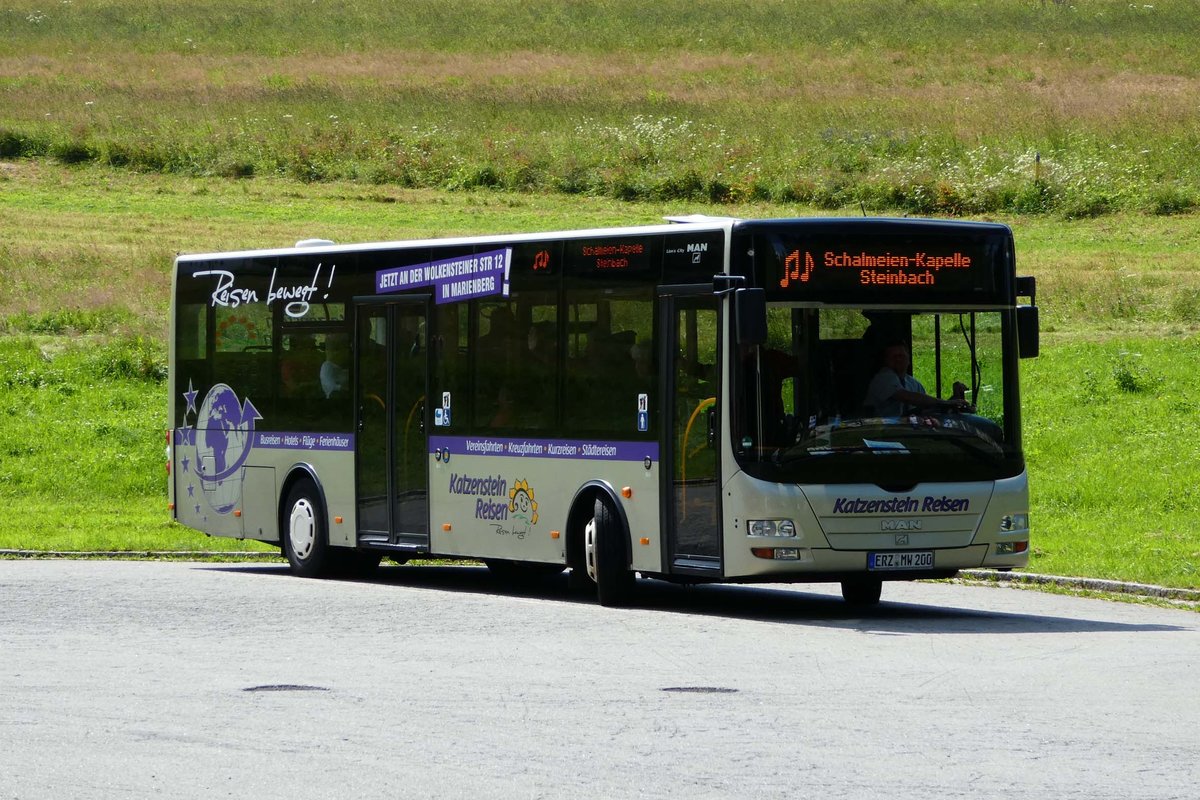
[305, 542]
[863, 591]
[606, 556]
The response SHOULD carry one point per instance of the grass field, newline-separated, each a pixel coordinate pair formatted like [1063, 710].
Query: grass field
[929, 106]
[130, 132]
[1110, 418]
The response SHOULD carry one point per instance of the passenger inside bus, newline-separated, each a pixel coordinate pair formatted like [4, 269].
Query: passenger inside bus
[542, 347]
[299, 370]
[495, 347]
[335, 372]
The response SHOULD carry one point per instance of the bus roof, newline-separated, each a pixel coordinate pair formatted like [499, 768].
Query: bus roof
[699, 224]
[676, 224]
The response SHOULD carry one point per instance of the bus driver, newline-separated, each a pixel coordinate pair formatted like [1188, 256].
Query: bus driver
[893, 392]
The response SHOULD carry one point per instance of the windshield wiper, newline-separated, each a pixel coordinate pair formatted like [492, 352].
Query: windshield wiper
[807, 450]
[977, 443]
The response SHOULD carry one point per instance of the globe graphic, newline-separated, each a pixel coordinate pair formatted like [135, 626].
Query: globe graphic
[222, 440]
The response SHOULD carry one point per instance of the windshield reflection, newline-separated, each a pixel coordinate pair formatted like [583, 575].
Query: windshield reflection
[861, 395]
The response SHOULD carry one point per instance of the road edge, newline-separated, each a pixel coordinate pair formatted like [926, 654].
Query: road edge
[973, 575]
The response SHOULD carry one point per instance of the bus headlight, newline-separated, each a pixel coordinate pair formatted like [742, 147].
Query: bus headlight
[770, 527]
[1011, 523]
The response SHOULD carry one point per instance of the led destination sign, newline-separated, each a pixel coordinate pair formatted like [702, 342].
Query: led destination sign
[882, 269]
[609, 256]
[870, 265]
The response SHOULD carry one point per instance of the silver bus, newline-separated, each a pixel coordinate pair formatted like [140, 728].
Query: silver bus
[705, 400]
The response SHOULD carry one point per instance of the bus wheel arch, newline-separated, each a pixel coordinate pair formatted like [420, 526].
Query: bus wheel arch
[598, 544]
[303, 527]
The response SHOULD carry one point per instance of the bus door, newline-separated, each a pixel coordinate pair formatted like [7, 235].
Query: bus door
[392, 364]
[690, 375]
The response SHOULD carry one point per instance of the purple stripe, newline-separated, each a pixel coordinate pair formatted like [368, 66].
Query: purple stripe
[586, 449]
[453, 279]
[274, 440]
[278, 440]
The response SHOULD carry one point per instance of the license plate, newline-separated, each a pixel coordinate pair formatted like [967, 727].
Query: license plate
[922, 559]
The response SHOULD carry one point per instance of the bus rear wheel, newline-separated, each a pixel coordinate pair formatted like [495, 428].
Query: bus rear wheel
[606, 556]
[305, 540]
[862, 591]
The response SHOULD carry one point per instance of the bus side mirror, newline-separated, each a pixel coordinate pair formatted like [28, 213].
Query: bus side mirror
[1027, 331]
[750, 316]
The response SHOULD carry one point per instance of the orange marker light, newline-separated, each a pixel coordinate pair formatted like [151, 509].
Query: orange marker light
[645, 540]
[626, 491]
[337, 520]
[237, 512]
[446, 527]
[170, 506]
[555, 534]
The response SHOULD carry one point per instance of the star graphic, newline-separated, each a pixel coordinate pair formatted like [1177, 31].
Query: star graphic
[191, 490]
[186, 461]
[190, 396]
[187, 435]
[197, 508]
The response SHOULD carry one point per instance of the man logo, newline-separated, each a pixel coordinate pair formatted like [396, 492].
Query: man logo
[900, 524]
[901, 539]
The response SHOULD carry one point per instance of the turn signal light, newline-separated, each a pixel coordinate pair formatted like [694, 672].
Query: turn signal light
[783, 553]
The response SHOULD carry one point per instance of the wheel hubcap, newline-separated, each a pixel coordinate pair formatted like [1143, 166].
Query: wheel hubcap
[589, 548]
[302, 532]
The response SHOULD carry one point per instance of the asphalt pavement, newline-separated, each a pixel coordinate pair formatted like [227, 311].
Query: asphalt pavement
[169, 679]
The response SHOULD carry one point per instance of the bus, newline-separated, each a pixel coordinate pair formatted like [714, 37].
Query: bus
[688, 401]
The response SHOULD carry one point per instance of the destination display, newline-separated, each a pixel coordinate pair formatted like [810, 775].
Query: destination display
[883, 265]
[610, 256]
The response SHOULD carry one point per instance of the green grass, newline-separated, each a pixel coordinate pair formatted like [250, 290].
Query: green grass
[81, 448]
[927, 106]
[130, 132]
[1110, 421]
[1112, 437]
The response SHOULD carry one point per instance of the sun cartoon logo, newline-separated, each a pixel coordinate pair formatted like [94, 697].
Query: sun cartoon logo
[521, 503]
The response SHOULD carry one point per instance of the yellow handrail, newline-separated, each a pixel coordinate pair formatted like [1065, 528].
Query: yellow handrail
[408, 424]
[687, 432]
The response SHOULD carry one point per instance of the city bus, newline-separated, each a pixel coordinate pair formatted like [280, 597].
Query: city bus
[688, 401]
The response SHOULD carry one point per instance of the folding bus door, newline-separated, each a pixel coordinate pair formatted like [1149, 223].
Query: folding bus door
[691, 372]
[392, 366]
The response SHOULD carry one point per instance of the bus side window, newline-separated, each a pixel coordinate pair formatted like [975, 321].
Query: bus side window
[448, 350]
[605, 382]
[535, 378]
[496, 347]
[244, 356]
[300, 366]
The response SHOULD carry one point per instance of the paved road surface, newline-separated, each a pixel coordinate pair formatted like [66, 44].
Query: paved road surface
[201, 680]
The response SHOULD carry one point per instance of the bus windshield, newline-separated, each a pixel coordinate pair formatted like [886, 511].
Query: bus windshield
[856, 395]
